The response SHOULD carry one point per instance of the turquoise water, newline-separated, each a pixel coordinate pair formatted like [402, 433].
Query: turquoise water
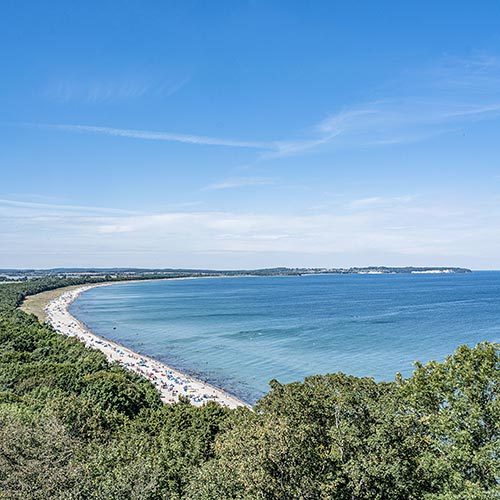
[239, 333]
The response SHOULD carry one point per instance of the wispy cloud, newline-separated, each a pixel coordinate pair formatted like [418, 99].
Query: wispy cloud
[159, 136]
[380, 201]
[387, 123]
[237, 182]
[169, 88]
[417, 106]
[104, 90]
[61, 208]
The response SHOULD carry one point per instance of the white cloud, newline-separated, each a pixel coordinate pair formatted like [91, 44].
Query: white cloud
[399, 230]
[158, 136]
[99, 90]
[380, 201]
[416, 107]
[60, 208]
[419, 105]
[237, 182]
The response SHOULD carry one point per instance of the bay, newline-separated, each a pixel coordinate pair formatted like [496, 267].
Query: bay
[239, 333]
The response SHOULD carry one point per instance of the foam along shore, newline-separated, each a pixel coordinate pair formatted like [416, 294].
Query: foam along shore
[170, 383]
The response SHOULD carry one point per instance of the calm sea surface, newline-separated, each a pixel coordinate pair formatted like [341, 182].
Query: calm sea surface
[239, 333]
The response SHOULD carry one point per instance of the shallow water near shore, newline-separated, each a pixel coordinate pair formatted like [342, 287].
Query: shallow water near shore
[239, 333]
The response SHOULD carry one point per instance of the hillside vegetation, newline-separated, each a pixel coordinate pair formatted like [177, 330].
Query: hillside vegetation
[73, 426]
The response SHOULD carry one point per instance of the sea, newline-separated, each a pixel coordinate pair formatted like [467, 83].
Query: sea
[239, 333]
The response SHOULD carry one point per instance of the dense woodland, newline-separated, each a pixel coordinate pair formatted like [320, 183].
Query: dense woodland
[72, 426]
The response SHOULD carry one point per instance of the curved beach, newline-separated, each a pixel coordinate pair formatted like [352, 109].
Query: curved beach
[169, 382]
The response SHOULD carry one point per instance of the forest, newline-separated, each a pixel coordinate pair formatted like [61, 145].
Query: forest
[73, 426]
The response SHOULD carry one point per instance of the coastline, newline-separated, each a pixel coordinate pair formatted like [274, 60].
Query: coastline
[169, 382]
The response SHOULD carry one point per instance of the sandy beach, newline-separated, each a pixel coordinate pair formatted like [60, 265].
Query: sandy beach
[170, 383]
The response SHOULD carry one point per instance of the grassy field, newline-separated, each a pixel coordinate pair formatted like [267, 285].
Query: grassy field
[35, 304]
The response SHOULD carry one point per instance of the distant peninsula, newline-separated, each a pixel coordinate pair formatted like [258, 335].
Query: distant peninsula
[140, 273]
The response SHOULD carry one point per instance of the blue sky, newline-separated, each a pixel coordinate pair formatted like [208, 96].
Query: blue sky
[250, 134]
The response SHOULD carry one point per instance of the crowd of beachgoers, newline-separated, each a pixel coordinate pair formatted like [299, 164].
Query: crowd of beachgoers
[170, 383]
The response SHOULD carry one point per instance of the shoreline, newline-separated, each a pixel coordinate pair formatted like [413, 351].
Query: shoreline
[169, 382]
